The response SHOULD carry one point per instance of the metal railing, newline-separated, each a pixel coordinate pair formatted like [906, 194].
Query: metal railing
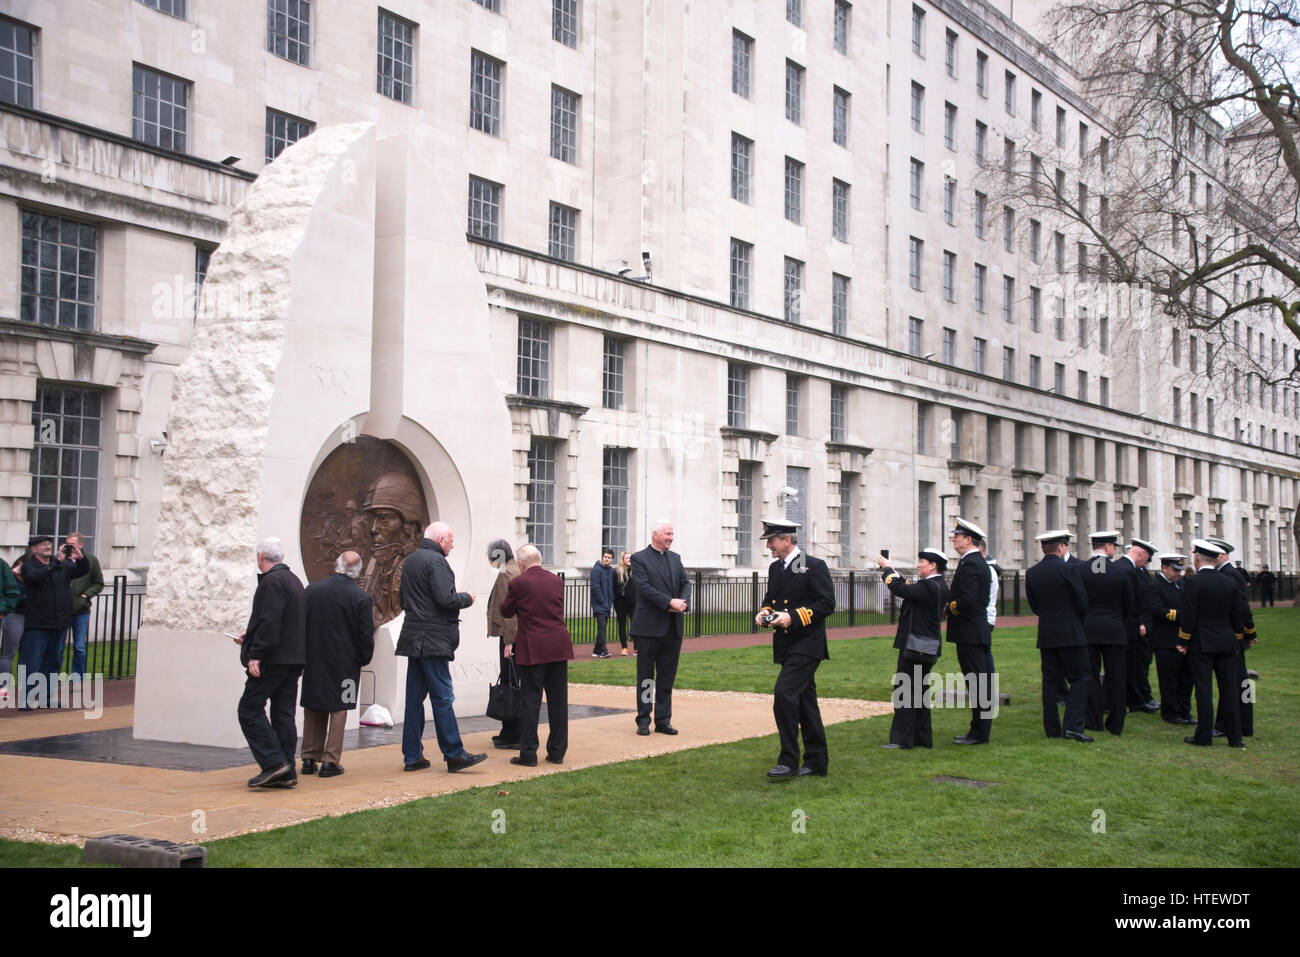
[114, 625]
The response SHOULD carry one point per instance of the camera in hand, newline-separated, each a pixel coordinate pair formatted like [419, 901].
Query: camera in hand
[884, 552]
[766, 620]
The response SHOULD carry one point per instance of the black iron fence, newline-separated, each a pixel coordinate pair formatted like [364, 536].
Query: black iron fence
[114, 624]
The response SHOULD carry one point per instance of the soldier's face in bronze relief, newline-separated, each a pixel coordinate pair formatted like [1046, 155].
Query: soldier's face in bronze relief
[385, 528]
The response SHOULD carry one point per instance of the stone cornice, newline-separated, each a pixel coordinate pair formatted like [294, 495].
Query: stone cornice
[732, 432]
[32, 330]
[845, 447]
[550, 405]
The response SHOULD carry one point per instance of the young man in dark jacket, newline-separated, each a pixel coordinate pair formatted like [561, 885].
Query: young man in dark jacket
[46, 577]
[602, 598]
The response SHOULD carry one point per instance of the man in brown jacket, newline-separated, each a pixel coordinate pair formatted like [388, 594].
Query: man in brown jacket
[502, 557]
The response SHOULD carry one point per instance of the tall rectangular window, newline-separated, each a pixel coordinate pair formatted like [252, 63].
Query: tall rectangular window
[982, 73]
[839, 412]
[793, 190]
[745, 514]
[1009, 363]
[1035, 240]
[839, 304]
[915, 249]
[918, 106]
[924, 503]
[1083, 386]
[1058, 251]
[288, 29]
[793, 290]
[950, 126]
[564, 22]
[1103, 396]
[1035, 372]
[1060, 126]
[160, 108]
[794, 12]
[1008, 299]
[396, 73]
[793, 92]
[950, 53]
[67, 425]
[981, 205]
[613, 366]
[484, 94]
[17, 63]
[949, 352]
[737, 395]
[1058, 380]
[796, 506]
[978, 355]
[1083, 140]
[562, 240]
[58, 271]
[741, 254]
[916, 181]
[484, 209]
[1035, 308]
[742, 56]
[1036, 110]
[846, 520]
[840, 117]
[533, 368]
[541, 497]
[1103, 336]
[283, 130]
[615, 472]
[792, 385]
[843, 12]
[1009, 92]
[1058, 318]
[981, 142]
[564, 125]
[840, 210]
[922, 429]
[950, 201]
[1008, 229]
[918, 30]
[980, 273]
[914, 327]
[949, 276]
[742, 154]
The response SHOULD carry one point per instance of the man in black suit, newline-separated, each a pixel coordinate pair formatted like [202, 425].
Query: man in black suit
[1267, 581]
[798, 600]
[1110, 598]
[1212, 628]
[1166, 608]
[1246, 704]
[1138, 626]
[968, 629]
[662, 593]
[1056, 595]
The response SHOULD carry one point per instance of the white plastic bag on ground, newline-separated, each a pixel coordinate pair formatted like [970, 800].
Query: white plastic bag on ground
[377, 716]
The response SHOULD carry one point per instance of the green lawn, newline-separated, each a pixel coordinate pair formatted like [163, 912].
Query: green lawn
[1164, 803]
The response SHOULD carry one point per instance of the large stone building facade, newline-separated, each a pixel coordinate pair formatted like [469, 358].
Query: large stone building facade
[740, 261]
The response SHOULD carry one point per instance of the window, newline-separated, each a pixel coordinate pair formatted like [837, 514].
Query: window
[1083, 140]
[918, 30]
[924, 498]
[737, 395]
[792, 385]
[65, 459]
[839, 304]
[541, 497]
[1035, 240]
[1059, 318]
[741, 158]
[793, 190]
[564, 125]
[846, 520]
[949, 352]
[493, 5]
[533, 369]
[981, 203]
[916, 181]
[982, 73]
[980, 274]
[1008, 158]
[1058, 250]
[915, 248]
[484, 209]
[745, 514]
[949, 276]
[1083, 200]
[1178, 406]
[202, 256]
[977, 356]
[173, 8]
[840, 118]
[950, 53]
[562, 240]
[613, 373]
[914, 329]
[1060, 187]
[1083, 386]
[842, 12]
[1060, 126]
[1103, 153]
[839, 416]
[1009, 92]
[1009, 363]
[288, 29]
[159, 109]
[793, 92]
[922, 429]
[840, 210]
[1058, 384]
[981, 142]
[564, 22]
[484, 94]
[950, 126]
[17, 64]
[918, 106]
[397, 60]
[1035, 372]
[742, 55]
[1035, 307]
[796, 506]
[615, 469]
[1083, 327]
[950, 201]
[741, 254]
[283, 130]
[1036, 110]
[1008, 229]
[58, 271]
[1008, 299]
[1104, 393]
[793, 290]
[1103, 335]
[794, 12]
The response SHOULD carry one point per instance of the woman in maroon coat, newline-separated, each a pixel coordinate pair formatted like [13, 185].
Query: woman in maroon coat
[542, 650]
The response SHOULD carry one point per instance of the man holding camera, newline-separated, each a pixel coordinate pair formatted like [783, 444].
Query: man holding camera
[798, 601]
[47, 578]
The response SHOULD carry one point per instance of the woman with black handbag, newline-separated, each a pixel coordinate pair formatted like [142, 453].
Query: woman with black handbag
[919, 645]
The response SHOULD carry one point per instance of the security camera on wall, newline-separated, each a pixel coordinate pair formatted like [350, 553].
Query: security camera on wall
[789, 492]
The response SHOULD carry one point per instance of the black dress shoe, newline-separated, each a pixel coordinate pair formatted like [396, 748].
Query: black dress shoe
[524, 761]
[1217, 732]
[782, 772]
[1151, 707]
[308, 766]
[1199, 744]
[554, 760]
[665, 728]
[419, 765]
[642, 731]
[330, 770]
[967, 739]
[501, 745]
[890, 746]
[805, 771]
[269, 777]
[1079, 736]
[466, 760]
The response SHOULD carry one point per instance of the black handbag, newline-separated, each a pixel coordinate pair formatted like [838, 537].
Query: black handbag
[505, 699]
[923, 649]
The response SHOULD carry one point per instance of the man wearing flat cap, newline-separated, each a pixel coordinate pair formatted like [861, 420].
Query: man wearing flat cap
[968, 628]
[1110, 600]
[798, 601]
[1212, 627]
[1166, 608]
[1245, 702]
[47, 576]
[1138, 626]
[1056, 595]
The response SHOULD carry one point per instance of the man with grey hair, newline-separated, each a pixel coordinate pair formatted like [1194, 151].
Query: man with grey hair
[273, 652]
[340, 642]
[430, 637]
[662, 593]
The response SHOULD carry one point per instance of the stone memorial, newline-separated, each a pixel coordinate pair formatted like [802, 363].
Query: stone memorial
[339, 395]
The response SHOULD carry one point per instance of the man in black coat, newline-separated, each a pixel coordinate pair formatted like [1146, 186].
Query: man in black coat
[340, 642]
[1138, 627]
[1245, 702]
[47, 578]
[969, 630]
[1056, 595]
[798, 600]
[1110, 601]
[662, 593]
[921, 617]
[273, 653]
[1166, 608]
[1267, 581]
[1212, 628]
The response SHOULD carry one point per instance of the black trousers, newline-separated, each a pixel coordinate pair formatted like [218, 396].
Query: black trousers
[621, 613]
[911, 726]
[601, 620]
[1109, 693]
[974, 663]
[509, 727]
[1224, 668]
[1266, 596]
[1246, 709]
[794, 705]
[1139, 670]
[656, 670]
[1175, 679]
[1064, 667]
[553, 678]
[272, 742]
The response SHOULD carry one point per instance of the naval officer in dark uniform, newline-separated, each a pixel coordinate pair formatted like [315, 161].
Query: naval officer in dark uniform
[1138, 626]
[1246, 703]
[968, 629]
[922, 616]
[1056, 595]
[1212, 627]
[798, 601]
[1166, 607]
[1110, 598]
